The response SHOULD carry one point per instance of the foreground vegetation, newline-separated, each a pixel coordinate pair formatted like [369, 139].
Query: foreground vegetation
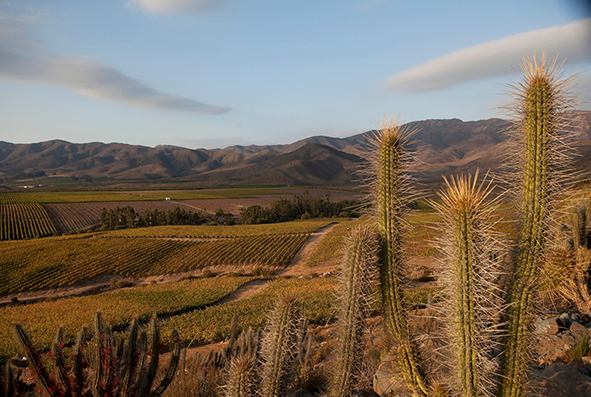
[42, 319]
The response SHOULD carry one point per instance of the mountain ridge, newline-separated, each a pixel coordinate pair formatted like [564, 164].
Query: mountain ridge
[442, 146]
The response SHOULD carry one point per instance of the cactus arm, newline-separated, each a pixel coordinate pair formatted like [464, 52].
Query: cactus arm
[79, 377]
[174, 362]
[472, 264]
[35, 363]
[60, 361]
[141, 364]
[389, 192]
[128, 363]
[540, 101]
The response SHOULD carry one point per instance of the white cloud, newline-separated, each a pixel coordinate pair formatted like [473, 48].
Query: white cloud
[177, 6]
[571, 42]
[24, 59]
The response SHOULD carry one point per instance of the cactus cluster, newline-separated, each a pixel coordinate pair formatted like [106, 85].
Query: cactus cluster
[115, 367]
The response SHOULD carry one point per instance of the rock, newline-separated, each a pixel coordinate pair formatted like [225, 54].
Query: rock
[387, 381]
[546, 326]
[560, 380]
[578, 329]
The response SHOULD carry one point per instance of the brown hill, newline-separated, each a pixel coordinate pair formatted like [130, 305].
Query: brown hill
[442, 146]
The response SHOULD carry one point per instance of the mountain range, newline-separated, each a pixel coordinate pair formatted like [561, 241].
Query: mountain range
[442, 147]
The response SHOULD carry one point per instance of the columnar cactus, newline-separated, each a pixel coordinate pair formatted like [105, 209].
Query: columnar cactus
[279, 346]
[390, 191]
[540, 100]
[472, 264]
[358, 274]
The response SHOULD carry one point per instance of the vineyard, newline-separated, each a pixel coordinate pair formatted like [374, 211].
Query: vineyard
[52, 262]
[22, 219]
[42, 319]
[206, 231]
[212, 324]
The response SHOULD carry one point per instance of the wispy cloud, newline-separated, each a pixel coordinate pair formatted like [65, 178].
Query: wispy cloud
[177, 6]
[571, 42]
[24, 59]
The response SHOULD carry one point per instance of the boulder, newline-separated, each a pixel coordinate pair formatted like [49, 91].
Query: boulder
[560, 380]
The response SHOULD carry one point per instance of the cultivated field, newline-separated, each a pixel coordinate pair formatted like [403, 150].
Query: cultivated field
[21, 218]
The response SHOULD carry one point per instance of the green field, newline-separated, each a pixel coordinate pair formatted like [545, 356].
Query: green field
[212, 324]
[41, 320]
[47, 197]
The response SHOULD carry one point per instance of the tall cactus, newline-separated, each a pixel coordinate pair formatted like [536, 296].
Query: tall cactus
[279, 346]
[114, 371]
[390, 191]
[358, 274]
[540, 100]
[472, 264]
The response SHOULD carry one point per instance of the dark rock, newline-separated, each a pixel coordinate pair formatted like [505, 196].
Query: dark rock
[302, 393]
[560, 380]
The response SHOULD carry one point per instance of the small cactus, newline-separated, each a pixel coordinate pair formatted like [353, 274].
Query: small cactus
[279, 346]
[355, 296]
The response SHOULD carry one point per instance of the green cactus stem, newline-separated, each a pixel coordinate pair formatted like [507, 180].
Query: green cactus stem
[355, 296]
[540, 100]
[390, 191]
[472, 264]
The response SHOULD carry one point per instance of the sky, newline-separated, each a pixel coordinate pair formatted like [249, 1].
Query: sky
[215, 73]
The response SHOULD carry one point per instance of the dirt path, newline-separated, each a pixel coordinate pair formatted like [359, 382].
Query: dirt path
[297, 266]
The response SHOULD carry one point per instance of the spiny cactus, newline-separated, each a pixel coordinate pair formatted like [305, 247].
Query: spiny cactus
[472, 258]
[11, 383]
[241, 359]
[540, 100]
[279, 346]
[355, 296]
[242, 380]
[116, 369]
[390, 190]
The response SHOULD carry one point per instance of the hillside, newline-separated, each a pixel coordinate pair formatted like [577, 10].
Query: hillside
[442, 146]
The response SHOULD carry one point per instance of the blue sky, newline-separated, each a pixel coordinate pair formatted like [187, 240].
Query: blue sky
[215, 73]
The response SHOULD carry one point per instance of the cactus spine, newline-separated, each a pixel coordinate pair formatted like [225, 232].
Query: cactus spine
[539, 103]
[279, 345]
[471, 268]
[355, 296]
[390, 195]
[112, 373]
